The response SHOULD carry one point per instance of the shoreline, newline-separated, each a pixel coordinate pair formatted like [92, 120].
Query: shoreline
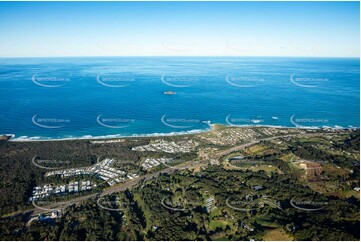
[112, 137]
[180, 133]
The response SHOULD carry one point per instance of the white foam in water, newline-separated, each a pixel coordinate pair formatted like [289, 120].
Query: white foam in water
[111, 136]
[338, 127]
[230, 99]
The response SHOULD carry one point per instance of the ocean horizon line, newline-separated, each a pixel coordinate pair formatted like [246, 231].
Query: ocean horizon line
[178, 56]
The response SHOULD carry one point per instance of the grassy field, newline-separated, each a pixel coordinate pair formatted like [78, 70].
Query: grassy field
[331, 170]
[266, 222]
[146, 212]
[267, 168]
[214, 224]
[277, 235]
[350, 193]
[256, 149]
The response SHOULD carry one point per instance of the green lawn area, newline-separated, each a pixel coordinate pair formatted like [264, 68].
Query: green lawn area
[350, 193]
[312, 139]
[266, 222]
[146, 212]
[289, 159]
[215, 212]
[324, 187]
[232, 155]
[277, 235]
[334, 171]
[256, 149]
[223, 238]
[214, 224]
[265, 168]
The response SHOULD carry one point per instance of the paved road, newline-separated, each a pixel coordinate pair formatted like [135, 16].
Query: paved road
[39, 208]
[242, 146]
[131, 183]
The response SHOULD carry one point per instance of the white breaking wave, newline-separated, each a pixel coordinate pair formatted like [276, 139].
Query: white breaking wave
[111, 136]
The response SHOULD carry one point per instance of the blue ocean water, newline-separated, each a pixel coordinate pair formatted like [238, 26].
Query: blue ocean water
[43, 98]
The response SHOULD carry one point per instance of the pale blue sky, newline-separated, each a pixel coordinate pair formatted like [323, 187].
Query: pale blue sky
[49, 29]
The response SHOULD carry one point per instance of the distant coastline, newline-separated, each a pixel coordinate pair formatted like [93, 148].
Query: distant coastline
[180, 133]
[133, 103]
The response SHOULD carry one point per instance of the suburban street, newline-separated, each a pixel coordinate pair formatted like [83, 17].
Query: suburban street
[123, 186]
